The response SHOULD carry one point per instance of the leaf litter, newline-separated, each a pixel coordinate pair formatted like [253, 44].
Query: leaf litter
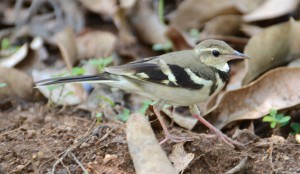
[71, 33]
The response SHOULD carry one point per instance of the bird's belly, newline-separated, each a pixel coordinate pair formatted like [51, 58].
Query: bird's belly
[178, 96]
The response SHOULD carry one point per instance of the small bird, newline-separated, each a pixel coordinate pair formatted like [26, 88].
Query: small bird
[182, 78]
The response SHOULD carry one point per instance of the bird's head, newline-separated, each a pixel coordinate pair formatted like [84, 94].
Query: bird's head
[216, 53]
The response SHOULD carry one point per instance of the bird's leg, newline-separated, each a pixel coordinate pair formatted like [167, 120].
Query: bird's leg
[173, 108]
[196, 113]
[157, 108]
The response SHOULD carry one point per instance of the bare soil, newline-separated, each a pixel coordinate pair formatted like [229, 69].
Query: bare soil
[33, 137]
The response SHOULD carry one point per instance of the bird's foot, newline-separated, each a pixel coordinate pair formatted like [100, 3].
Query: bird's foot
[228, 140]
[175, 139]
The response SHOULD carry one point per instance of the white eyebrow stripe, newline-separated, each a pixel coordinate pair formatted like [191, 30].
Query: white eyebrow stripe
[198, 51]
[167, 71]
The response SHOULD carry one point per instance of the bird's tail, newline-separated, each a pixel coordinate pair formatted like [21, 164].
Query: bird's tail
[74, 79]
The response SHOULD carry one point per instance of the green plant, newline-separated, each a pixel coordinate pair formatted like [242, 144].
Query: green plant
[275, 118]
[163, 47]
[144, 107]
[296, 128]
[101, 63]
[99, 117]
[5, 43]
[124, 116]
[108, 100]
[161, 11]
[2, 85]
[76, 71]
[194, 32]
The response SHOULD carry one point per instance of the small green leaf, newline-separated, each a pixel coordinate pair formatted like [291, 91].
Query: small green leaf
[53, 87]
[285, 119]
[78, 71]
[101, 62]
[163, 47]
[296, 127]
[68, 94]
[143, 109]
[5, 43]
[124, 116]
[194, 32]
[273, 124]
[273, 112]
[2, 85]
[108, 100]
[99, 117]
[269, 119]
[278, 117]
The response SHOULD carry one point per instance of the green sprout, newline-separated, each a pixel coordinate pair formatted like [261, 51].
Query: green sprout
[194, 32]
[76, 71]
[296, 128]
[124, 116]
[2, 85]
[163, 47]
[108, 100]
[161, 11]
[99, 117]
[275, 118]
[5, 44]
[101, 63]
[143, 109]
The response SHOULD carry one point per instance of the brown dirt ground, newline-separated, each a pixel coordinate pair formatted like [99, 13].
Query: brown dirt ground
[32, 138]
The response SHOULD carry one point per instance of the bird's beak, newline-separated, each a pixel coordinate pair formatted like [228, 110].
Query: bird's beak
[237, 55]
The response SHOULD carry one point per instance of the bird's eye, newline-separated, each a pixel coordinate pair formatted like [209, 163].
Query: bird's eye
[215, 53]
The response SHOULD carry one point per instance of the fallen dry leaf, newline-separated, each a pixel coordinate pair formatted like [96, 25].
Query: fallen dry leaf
[223, 25]
[271, 9]
[145, 151]
[65, 40]
[147, 24]
[277, 89]
[193, 13]
[246, 6]
[68, 94]
[95, 44]
[273, 47]
[183, 121]
[15, 58]
[18, 84]
[103, 7]
[179, 39]
[250, 30]
[180, 158]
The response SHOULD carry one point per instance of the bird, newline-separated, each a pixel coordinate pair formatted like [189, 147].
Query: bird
[181, 78]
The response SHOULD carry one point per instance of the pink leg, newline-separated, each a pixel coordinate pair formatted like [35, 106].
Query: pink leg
[196, 113]
[157, 107]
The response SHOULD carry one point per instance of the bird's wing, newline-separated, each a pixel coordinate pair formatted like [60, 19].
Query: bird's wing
[161, 70]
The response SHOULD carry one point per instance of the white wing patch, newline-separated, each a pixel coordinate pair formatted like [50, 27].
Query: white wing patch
[196, 79]
[167, 71]
[142, 75]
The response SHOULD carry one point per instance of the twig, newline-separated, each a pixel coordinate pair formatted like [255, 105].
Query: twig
[60, 161]
[238, 167]
[16, 171]
[11, 131]
[79, 163]
[72, 147]
[271, 156]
